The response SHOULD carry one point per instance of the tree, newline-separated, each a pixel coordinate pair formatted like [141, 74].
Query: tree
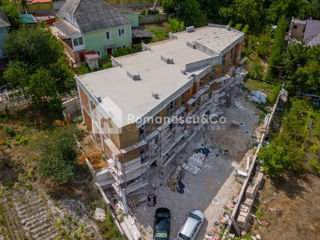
[187, 11]
[58, 155]
[211, 7]
[302, 68]
[276, 53]
[274, 158]
[307, 77]
[175, 25]
[12, 14]
[35, 46]
[37, 66]
[245, 12]
[264, 43]
[287, 8]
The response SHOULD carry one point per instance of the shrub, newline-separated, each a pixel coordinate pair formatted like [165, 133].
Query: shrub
[10, 131]
[21, 140]
[107, 65]
[175, 25]
[58, 155]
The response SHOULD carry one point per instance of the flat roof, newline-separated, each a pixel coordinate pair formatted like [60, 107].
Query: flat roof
[215, 37]
[189, 54]
[121, 96]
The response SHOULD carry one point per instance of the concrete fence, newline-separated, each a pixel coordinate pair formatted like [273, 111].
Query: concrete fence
[156, 18]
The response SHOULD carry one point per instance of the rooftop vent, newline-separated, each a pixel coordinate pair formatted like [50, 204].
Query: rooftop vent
[134, 77]
[171, 35]
[190, 29]
[155, 95]
[145, 47]
[191, 44]
[228, 28]
[167, 60]
[99, 99]
[184, 72]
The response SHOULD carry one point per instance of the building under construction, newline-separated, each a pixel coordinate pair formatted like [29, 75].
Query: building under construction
[188, 75]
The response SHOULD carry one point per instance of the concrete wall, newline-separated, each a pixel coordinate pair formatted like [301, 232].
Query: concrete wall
[71, 107]
[148, 19]
[97, 40]
[129, 2]
[3, 38]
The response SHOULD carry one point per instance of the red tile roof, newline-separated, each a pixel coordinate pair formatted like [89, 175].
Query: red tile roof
[41, 1]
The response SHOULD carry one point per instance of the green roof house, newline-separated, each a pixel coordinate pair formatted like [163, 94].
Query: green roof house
[4, 23]
[88, 26]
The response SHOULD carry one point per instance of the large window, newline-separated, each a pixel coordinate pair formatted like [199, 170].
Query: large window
[121, 32]
[108, 35]
[78, 41]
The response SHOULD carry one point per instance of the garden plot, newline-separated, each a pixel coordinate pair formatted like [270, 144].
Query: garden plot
[26, 214]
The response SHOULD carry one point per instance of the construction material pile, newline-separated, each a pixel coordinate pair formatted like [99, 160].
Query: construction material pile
[258, 97]
[194, 163]
[176, 185]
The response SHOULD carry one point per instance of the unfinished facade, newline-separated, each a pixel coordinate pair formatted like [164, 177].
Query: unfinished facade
[184, 76]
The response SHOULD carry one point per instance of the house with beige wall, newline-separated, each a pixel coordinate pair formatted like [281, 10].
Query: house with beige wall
[184, 76]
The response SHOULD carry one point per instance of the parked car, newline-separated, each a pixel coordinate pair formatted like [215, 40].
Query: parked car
[191, 225]
[161, 229]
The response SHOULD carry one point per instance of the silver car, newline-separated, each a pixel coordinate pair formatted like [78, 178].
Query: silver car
[191, 225]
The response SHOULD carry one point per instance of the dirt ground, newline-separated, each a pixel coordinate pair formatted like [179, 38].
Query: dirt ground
[290, 206]
[215, 180]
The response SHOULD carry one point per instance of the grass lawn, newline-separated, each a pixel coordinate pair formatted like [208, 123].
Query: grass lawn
[160, 31]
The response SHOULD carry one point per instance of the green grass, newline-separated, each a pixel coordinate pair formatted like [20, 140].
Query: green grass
[270, 89]
[160, 32]
[3, 222]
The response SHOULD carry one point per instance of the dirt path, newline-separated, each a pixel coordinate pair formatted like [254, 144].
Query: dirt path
[291, 207]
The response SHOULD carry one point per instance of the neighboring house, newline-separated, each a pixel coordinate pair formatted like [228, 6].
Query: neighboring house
[188, 75]
[132, 15]
[4, 23]
[138, 34]
[308, 30]
[89, 26]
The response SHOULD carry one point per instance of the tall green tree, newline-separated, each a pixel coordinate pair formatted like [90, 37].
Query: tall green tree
[302, 68]
[35, 46]
[276, 53]
[186, 10]
[12, 14]
[212, 7]
[37, 65]
[245, 12]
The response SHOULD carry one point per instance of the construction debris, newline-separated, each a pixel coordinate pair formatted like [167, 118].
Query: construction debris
[173, 184]
[195, 163]
[99, 215]
[257, 97]
[238, 104]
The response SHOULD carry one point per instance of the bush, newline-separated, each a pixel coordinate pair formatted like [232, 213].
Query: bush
[109, 230]
[256, 70]
[58, 155]
[10, 132]
[107, 65]
[175, 25]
